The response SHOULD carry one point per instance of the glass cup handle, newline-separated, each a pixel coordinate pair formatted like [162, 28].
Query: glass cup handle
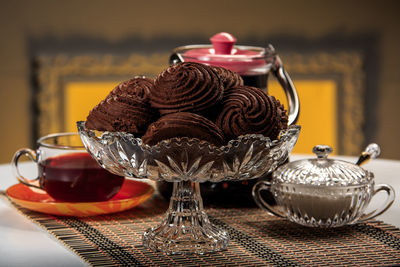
[389, 201]
[257, 188]
[284, 79]
[32, 155]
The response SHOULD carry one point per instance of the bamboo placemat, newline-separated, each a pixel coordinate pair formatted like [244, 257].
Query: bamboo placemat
[257, 239]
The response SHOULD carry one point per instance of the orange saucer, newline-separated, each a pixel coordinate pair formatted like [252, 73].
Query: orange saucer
[132, 193]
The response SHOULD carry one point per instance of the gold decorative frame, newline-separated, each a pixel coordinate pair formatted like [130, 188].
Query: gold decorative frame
[347, 69]
[53, 72]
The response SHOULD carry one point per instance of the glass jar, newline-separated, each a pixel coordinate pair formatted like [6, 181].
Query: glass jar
[254, 65]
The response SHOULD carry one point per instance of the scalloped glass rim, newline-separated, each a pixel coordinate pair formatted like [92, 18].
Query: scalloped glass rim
[188, 159]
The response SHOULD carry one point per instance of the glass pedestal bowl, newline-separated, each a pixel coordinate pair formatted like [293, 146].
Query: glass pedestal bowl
[186, 162]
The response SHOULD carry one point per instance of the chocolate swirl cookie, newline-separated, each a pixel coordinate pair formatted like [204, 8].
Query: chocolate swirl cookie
[186, 87]
[228, 77]
[249, 110]
[137, 86]
[183, 124]
[121, 113]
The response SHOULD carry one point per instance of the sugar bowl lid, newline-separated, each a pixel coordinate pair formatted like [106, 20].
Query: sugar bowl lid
[322, 171]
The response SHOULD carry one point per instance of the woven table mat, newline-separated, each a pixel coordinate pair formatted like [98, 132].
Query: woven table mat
[257, 239]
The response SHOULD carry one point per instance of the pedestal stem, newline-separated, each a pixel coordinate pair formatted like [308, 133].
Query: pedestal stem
[185, 203]
[186, 228]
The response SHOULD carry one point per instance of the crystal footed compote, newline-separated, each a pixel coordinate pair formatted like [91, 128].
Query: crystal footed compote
[187, 162]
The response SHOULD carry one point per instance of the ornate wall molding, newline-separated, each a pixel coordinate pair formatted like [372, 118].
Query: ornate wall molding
[347, 69]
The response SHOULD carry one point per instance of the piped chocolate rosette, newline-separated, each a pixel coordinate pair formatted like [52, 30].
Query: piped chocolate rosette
[248, 110]
[137, 86]
[125, 109]
[186, 87]
[229, 78]
[183, 124]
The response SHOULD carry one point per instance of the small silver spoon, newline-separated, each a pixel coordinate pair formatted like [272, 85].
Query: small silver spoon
[371, 151]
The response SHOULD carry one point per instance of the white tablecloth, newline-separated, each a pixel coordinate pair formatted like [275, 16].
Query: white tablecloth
[23, 243]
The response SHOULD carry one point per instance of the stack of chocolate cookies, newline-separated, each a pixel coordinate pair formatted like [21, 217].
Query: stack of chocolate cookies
[189, 100]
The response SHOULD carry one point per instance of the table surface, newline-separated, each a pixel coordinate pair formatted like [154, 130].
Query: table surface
[23, 243]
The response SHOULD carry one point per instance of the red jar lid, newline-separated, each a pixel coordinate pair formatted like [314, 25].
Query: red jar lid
[224, 53]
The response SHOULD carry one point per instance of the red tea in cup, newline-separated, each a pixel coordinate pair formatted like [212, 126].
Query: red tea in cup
[76, 177]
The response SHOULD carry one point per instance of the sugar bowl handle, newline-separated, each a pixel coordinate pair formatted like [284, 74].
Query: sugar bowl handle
[257, 188]
[386, 205]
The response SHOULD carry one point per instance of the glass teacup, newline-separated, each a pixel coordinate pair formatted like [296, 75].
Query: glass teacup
[66, 171]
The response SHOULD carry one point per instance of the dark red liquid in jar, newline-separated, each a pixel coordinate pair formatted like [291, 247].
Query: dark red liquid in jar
[255, 80]
[76, 177]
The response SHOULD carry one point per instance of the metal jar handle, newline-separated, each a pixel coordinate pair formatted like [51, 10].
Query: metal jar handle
[286, 83]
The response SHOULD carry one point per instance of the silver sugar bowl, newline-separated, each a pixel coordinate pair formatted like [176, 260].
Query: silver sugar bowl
[322, 192]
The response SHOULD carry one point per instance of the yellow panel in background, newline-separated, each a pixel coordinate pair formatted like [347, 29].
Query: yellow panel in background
[80, 98]
[318, 112]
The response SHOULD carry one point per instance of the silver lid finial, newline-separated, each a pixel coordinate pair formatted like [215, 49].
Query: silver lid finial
[322, 151]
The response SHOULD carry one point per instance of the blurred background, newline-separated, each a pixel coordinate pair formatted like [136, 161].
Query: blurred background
[59, 58]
